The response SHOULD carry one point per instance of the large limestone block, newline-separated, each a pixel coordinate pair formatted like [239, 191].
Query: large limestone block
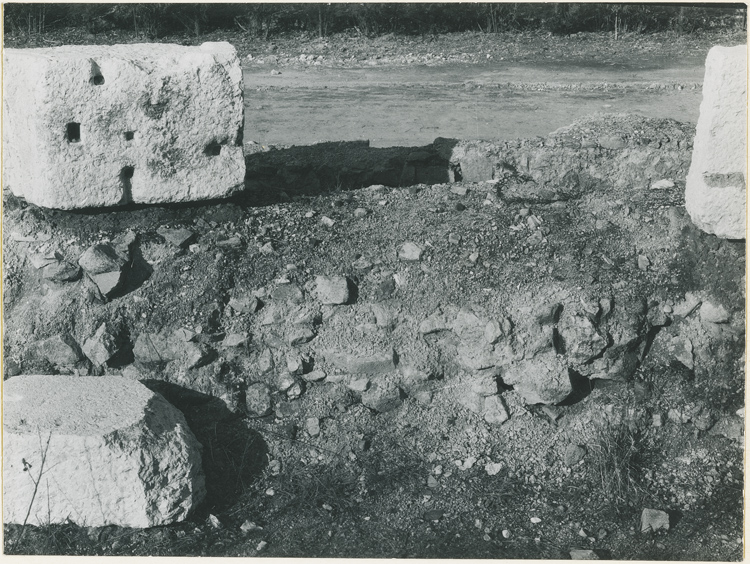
[87, 126]
[104, 451]
[717, 179]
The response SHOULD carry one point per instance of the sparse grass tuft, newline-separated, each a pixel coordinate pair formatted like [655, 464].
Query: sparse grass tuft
[618, 459]
[307, 491]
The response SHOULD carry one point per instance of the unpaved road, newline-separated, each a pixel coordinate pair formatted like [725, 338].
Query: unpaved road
[411, 106]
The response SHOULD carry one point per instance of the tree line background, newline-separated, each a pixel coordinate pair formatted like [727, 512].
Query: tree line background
[156, 20]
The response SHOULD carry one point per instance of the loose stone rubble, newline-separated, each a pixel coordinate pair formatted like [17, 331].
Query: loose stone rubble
[102, 451]
[717, 180]
[91, 126]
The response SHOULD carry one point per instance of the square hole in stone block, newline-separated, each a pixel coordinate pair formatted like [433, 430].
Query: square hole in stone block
[129, 135]
[73, 132]
[213, 149]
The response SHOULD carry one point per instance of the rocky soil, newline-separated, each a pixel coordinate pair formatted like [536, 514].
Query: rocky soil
[461, 350]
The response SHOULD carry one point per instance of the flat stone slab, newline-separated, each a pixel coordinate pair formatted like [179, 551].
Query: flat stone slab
[91, 126]
[717, 179]
[103, 451]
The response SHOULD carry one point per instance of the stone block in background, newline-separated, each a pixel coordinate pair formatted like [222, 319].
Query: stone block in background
[717, 179]
[115, 453]
[91, 126]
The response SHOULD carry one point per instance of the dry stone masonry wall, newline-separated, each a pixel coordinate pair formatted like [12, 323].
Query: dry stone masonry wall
[717, 180]
[90, 126]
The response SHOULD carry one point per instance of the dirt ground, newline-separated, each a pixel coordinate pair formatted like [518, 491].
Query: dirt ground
[524, 361]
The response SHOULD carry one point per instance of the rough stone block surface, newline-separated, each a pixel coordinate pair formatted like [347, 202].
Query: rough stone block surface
[717, 179]
[104, 451]
[90, 126]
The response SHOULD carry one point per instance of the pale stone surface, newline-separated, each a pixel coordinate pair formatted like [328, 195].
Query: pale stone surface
[332, 290]
[717, 179]
[654, 520]
[109, 451]
[541, 379]
[89, 126]
[380, 362]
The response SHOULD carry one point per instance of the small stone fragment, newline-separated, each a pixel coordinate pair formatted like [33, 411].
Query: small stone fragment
[327, 221]
[554, 413]
[244, 304]
[258, 400]
[101, 258]
[60, 350]
[179, 237]
[152, 349]
[105, 267]
[359, 384]
[360, 212]
[433, 515]
[284, 382]
[495, 412]
[549, 314]
[434, 323]
[382, 397]
[713, 313]
[314, 376]
[274, 467]
[687, 306]
[410, 251]
[374, 363]
[492, 468]
[107, 283]
[583, 554]
[362, 264]
[683, 351]
[294, 391]
[454, 238]
[234, 242]
[288, 293]
[312, 425]
[101, 346]
[287, 409]
[300, 335]
[61, 271]
[234, 340]
[41, 260]
[493, 332]
[248, 527]
[663, 184]
[213, 520]
[573, 455]
[294, 363]
[332, 290]
[643, 262]
[265, 361]
[193, 354]
[654, 520]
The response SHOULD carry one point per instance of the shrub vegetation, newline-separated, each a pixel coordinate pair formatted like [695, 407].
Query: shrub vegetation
[155, 20]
